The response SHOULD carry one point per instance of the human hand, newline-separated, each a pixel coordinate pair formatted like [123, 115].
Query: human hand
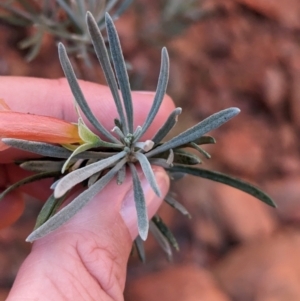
[86, 258]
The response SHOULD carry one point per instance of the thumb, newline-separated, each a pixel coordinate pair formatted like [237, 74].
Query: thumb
[86, 258]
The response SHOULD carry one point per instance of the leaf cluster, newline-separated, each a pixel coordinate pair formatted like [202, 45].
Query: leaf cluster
[96, 162]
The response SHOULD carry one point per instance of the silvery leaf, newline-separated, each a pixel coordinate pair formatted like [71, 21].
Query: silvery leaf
[40, 148]
[120, 69]
[119, 132]
[121, 175]
[76, 205]
[200, 150]
[175, 204]
[160, 162]
[225, 179]
[140, 204]
[30, 179]
[137, 133]
[42, 165]
[205, 140]
[210, 123]
[139, 245]
[76, 90]
[148, 172]
[165, 231]
[79, 175]
[49, 150]
[102, 55]
[80, 149]
[94, 178]
[170, 158]
[162, 241]
[145, 146]
[77, 164]
[48, 209]
[160, 91]
[168, 125]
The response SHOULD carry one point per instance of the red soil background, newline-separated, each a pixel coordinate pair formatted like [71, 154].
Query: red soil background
[223, 53]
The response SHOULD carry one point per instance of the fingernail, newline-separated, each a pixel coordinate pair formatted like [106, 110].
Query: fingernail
[153, 202]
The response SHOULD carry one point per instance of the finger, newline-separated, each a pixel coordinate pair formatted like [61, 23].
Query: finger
[90, 252]
[54, 98]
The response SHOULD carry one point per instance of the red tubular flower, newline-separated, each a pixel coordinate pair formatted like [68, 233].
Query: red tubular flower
[32, 128]
[36, 128]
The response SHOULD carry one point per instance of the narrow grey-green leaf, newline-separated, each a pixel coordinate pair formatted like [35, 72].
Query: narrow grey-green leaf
[102, 55]
[42, 165]
[225, 179]
[182, 157]
[159, 162]
[40, 148]
[168, 125]
[49, 150]
[94, 178]
[140, 204]
[80, 149]
[76, 163]
[176, 205]
[161, 239]
[205, 140]
[121, 175]
[79, 175]
[119, 132]
[78, 95]
[210, 123]
[160, 91]
[47, 210]
[170, 158]
[120, 68]
[139, 245]
[71, 209]
[30, 179]
[136, 133]
[118, 124]
[145, 146]
[199, 149]
[148, 172]
[164, 229]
